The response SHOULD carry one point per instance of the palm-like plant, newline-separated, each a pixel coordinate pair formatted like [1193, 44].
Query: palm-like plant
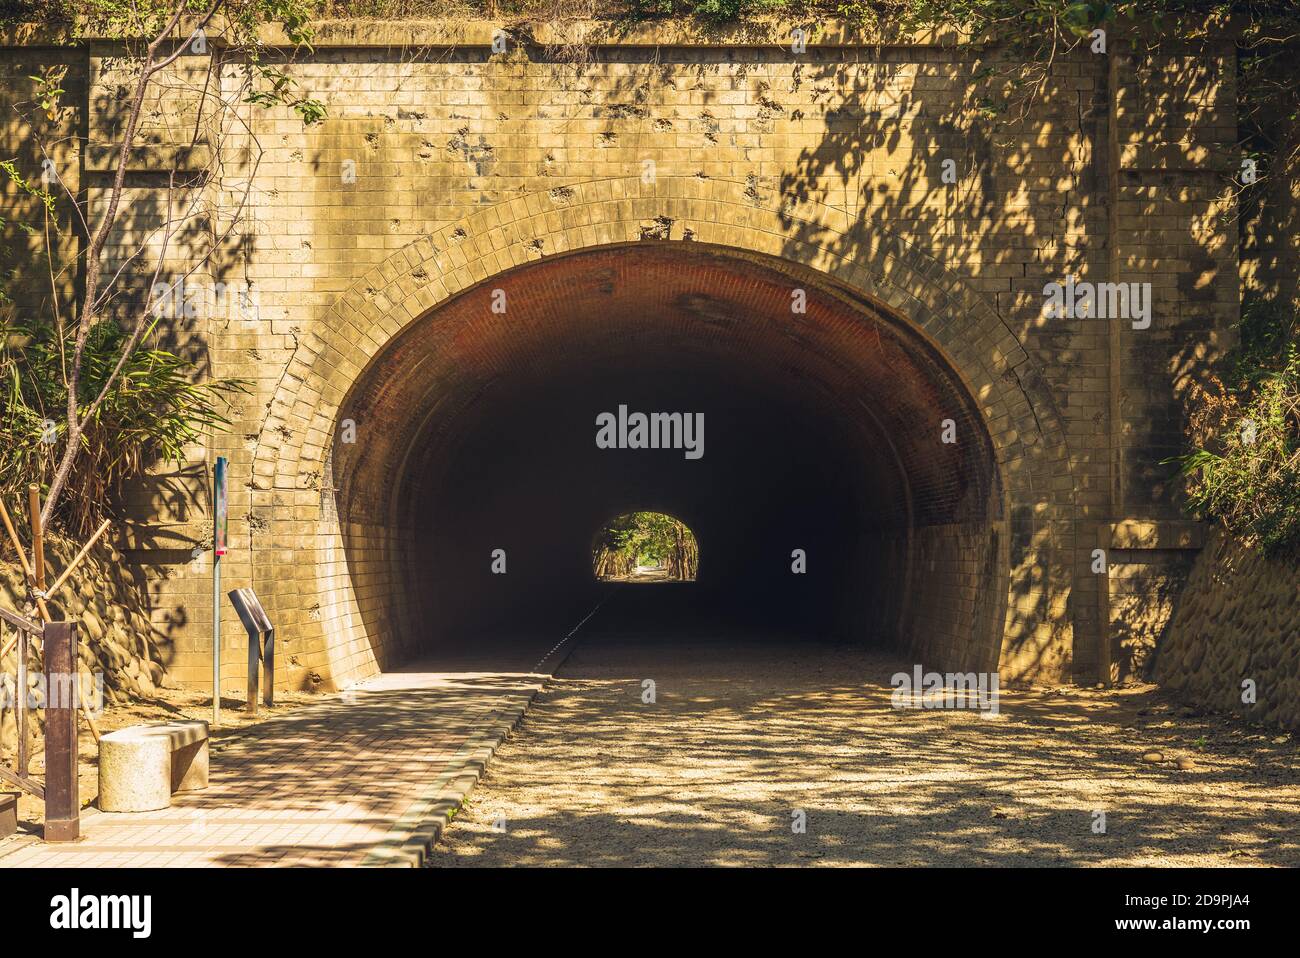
[151, 410]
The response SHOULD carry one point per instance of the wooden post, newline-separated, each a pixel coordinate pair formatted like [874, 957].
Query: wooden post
[38, 539]
[62, 805]
[20, 703]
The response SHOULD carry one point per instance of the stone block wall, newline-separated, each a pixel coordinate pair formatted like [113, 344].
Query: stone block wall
[1111, 175]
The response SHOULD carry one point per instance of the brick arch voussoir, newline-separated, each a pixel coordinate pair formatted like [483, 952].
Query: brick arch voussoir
[958, 321]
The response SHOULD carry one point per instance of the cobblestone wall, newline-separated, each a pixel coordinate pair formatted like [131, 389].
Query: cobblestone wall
[1234, 641]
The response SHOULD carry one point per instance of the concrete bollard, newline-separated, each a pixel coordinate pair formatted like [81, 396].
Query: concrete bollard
[135, 772]
[140, 767]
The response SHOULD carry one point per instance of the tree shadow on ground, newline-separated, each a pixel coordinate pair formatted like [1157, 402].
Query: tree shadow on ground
[714, 771]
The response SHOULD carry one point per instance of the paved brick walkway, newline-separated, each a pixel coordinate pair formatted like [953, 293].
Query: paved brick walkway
[367, 779]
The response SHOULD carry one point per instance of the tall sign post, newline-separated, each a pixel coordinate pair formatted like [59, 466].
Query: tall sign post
[219, 533]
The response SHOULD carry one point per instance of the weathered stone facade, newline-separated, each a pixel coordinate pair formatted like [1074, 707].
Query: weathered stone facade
[444, 168]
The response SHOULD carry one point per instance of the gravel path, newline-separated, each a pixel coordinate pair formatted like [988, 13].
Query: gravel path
[744, 734]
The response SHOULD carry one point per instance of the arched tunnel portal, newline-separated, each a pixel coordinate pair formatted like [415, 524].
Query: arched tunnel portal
[835, 468]
[446, 407]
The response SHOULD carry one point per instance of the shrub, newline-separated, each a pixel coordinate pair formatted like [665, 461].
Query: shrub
[1245, 470]
[152, 412]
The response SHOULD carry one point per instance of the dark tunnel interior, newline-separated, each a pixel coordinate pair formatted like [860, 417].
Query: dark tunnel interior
[822, 421]
[771, 480]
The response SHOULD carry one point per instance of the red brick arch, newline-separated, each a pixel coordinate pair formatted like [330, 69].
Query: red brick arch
[293, 453]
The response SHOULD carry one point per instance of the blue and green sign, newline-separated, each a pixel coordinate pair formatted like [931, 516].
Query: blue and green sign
[219, 525]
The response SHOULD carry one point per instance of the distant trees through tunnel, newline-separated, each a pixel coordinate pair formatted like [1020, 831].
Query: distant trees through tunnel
[643, 547]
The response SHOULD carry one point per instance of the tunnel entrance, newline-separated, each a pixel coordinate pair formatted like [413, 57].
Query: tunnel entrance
[643, 547]
[821, 411]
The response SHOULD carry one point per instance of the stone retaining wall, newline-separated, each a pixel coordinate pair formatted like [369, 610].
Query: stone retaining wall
[117, 639]
[1238, 620]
